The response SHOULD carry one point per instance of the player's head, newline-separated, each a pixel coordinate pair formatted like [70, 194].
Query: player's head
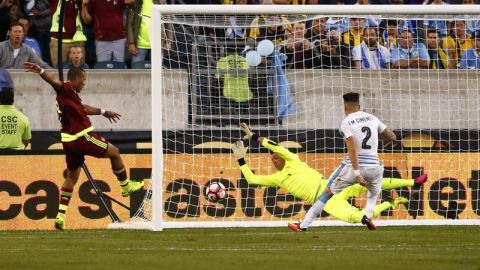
[352, 102]
[77, 77]
[277, 161]
[6, 96]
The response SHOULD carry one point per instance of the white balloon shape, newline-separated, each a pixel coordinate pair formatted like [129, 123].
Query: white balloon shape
[265, 47]
[253, 58]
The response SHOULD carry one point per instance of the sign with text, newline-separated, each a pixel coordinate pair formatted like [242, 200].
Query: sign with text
[29, 188]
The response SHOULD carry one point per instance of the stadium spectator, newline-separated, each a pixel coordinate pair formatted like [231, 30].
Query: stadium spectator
[439, 58]
[13, 53]
[107, 19]
[472, 25]
[390, 35]
[337, 23]
[14, 14]
[138, 24]
[354, 35]
[370, 54]
[458, 41]
[14, 125]
[29, 41]
[318, 31]
[298, 48]
[331, 53]
[41, 21]
[73, 29]
[440, 25]
[5, 6]
[471, 58]
[234, 31]
[75, 59]
[275, 30]
[409, 54]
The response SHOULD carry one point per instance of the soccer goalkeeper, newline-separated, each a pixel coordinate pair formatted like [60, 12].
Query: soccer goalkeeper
[305, 183]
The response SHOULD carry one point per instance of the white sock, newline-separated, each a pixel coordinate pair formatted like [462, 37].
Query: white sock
[371, 203]
[312, 213]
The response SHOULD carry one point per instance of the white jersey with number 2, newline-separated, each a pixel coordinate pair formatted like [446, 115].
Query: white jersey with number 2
[365, 128]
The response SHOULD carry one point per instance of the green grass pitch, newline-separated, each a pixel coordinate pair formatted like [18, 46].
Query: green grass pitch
[356, 248]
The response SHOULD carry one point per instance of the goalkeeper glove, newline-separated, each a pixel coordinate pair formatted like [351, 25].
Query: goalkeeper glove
[248, 133]
[239, 150]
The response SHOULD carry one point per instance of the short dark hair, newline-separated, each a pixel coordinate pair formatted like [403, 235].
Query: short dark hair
[435, 31]
[74, 73]
[6, 96]
[392, 22]
[351, 97]
[15, 24]
[371, 27]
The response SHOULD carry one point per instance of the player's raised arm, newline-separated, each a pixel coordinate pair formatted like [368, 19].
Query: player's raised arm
[265, 142]
[264, 180]
[111, 116]
[49, 78]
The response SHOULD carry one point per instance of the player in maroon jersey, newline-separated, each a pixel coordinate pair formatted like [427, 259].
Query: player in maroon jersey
[77, 135]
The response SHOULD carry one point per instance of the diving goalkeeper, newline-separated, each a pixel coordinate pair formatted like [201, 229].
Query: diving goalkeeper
[305, 183]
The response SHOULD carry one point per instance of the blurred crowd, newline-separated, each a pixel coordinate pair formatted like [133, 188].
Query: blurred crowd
[114, 34]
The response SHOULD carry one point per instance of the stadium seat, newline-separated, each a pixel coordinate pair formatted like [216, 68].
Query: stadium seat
[142, 65]
[110, 65]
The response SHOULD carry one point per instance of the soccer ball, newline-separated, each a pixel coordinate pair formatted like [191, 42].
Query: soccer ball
[215, 191]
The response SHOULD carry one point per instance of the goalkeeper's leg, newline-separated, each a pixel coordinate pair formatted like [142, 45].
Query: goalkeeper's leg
[339, 207]
[320, 203]
[391, 183]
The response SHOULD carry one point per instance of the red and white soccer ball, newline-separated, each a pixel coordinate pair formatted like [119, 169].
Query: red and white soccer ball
[215, 191]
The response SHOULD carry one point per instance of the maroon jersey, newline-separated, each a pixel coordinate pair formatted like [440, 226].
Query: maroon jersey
[71, 112]
[72, 9]
[107, 16]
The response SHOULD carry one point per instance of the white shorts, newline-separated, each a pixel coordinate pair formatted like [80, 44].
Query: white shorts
[346, 178]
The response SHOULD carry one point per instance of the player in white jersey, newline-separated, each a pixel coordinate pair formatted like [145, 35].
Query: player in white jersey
[361, 133]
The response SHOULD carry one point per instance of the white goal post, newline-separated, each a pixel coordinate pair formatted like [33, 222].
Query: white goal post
[434, 112]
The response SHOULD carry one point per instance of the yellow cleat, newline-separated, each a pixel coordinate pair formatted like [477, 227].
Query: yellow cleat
[129, 187]
[399, 200]
[60, 222]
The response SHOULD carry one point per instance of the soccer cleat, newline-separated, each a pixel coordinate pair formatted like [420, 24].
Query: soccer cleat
[420, 180]
[398, 201]
[129, 187]
[60, 222]
[295, 226]
[368, 222]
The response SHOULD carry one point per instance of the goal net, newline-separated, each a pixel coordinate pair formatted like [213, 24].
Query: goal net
[283, 70]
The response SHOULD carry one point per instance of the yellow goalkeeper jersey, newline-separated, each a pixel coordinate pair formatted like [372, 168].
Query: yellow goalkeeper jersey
[297, 178]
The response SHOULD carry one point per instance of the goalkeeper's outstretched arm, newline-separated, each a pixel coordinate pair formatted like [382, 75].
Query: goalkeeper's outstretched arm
[267, 143]
[263, 180]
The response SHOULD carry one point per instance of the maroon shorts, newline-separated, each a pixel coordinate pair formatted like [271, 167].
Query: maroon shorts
[91, 144]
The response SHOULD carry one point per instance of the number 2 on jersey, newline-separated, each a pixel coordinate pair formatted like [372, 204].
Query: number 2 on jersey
[367, 137]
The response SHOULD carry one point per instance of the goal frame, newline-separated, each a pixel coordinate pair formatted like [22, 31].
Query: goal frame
[157, 223]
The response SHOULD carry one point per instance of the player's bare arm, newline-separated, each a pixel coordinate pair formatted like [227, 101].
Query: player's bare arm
[49, 78]
[388, 135]
[352, 154]
[111, 116]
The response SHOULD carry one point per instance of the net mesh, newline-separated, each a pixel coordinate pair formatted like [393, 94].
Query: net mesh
[417, 74]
